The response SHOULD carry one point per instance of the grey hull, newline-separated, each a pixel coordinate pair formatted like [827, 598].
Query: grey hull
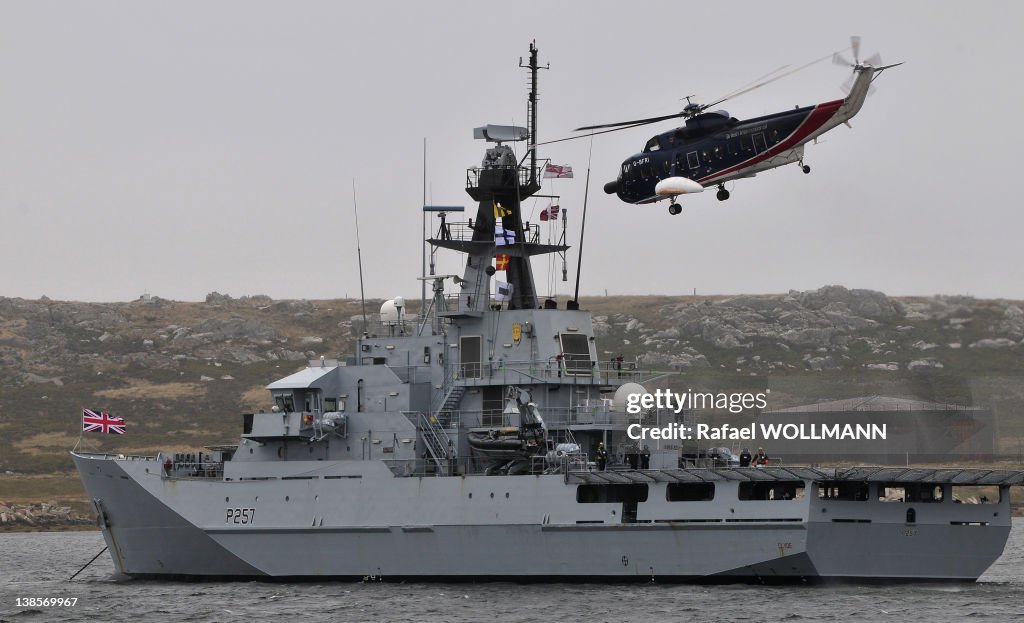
[147, 527]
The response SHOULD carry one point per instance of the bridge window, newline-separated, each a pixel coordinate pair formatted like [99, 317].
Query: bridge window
[576, 354]
[690, 492]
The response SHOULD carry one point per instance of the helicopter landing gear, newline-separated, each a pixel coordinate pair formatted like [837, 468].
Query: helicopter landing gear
[806, 169]
[674, 209]
[722, 194]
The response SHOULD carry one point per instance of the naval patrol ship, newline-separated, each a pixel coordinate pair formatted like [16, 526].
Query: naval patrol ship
[466, 443]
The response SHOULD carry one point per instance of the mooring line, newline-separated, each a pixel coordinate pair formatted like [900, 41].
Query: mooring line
[88, 563]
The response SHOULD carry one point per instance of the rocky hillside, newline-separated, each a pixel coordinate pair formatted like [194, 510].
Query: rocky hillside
[181, 373]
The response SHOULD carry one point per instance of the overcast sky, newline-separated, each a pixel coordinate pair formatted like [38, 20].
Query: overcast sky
[186, 147]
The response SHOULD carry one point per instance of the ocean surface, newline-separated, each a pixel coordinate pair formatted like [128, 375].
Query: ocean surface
[39, 565]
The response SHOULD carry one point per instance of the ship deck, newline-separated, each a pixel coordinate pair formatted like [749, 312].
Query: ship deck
[895, 475]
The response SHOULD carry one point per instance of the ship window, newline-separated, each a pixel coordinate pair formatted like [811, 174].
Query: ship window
[469, 357]
[611, 494]
[284, 402]
[330, 404]
[761, 491]
[576, 353]
[691, 159]
[843, 490]
[690, 492]
[968, 494]
[891, 493]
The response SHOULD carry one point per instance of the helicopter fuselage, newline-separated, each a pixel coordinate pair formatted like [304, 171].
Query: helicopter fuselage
[714, 148]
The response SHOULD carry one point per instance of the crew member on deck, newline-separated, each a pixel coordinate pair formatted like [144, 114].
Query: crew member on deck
[745, 458]
[602, 456]
[760, 458]
[645, 458]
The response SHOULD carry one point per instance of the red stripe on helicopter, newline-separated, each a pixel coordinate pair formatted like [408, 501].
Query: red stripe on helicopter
[815, 119]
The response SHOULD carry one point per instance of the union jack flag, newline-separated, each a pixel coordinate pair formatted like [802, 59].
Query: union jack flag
[100, 421]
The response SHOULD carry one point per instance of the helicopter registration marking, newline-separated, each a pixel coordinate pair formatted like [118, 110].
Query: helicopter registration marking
[637, 163]
[763, 126]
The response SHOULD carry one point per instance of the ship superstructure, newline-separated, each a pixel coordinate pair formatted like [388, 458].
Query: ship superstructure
[462, 443]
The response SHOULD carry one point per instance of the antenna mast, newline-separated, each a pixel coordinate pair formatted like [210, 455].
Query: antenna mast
[531, 109]
[359, 253]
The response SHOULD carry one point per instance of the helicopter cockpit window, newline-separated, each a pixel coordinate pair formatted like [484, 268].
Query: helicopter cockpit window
[653, 145]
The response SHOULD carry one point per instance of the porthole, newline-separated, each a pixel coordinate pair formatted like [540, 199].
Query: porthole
[287, 498]
[492, 495]
[506, 495]
[250, 450]
[471, 496]
[227, 499]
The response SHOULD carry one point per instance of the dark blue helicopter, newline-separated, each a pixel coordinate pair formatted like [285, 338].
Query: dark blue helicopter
[714, 148]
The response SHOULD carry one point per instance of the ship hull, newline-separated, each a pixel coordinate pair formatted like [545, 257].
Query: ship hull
[356, 526]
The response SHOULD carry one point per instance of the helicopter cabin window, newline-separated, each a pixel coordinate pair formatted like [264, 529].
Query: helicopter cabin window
[667, 166]
[652, 145]
[759, 144]
[691, 159]
[775, 136]
[719, 152]
[680, 164]
[704, 155]
[734, 148]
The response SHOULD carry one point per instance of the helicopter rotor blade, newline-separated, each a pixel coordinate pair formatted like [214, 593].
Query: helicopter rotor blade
[855, 46]
[590, 134]
[765, 82]
[839, 59]
[632, 124]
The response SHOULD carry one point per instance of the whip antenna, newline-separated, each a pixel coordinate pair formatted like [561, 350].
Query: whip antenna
[359, 254]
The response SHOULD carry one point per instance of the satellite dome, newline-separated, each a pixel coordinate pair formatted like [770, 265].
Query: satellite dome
[623, 392]
[389, 311]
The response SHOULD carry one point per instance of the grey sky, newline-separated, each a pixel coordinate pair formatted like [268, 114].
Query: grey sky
[181, 148]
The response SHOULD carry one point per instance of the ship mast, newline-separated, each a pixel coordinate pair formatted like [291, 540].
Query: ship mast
[499, 186]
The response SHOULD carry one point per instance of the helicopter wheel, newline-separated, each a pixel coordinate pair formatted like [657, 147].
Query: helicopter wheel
[806, 169]
[674, 209]
[722, 194]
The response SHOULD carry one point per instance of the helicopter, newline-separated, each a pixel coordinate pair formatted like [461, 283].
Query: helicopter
[713, 148]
